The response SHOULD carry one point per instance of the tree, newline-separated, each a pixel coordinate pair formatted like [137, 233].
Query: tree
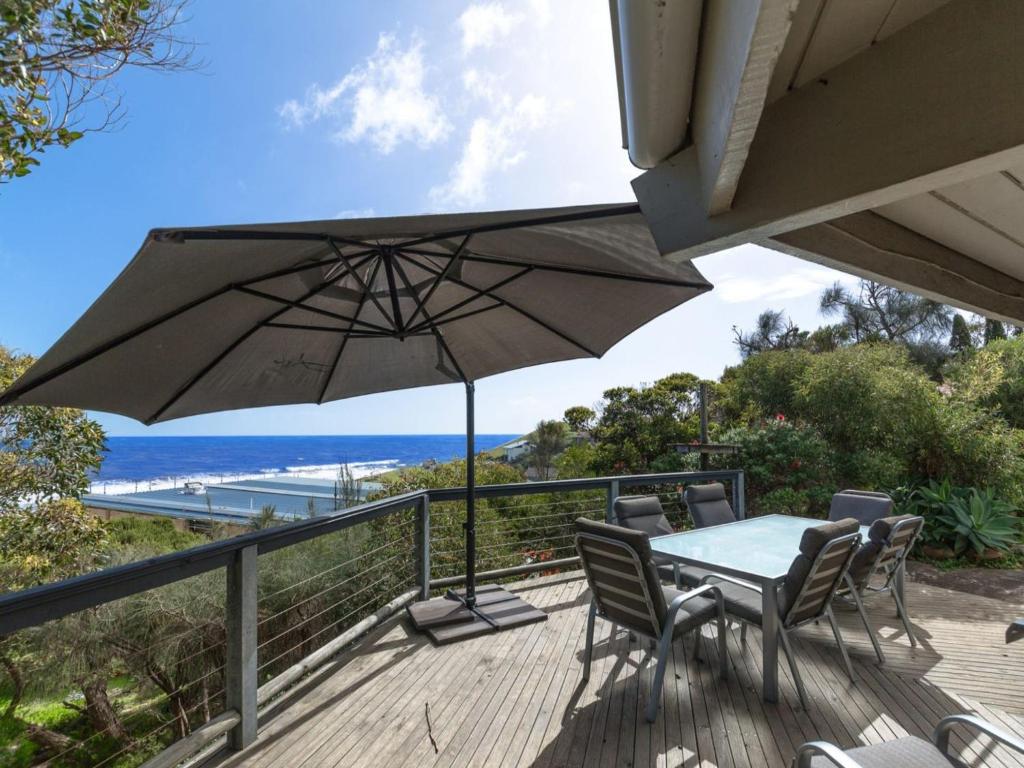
[993, 330]
[960, 339]
[579, 418]
[58, 59]
[640, 425]
[44, 452]
[881, 312]
[772, 331]
[548, 442]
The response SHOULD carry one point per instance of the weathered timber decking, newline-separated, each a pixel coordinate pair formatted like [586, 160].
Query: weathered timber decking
[516, 698]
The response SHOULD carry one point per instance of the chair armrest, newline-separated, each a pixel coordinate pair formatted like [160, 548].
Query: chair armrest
[942, 730]
[708, 590]
[830, 752]
[731, 580]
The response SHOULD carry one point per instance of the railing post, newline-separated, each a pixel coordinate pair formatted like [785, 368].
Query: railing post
[240, 678]
[422, 544]
[613, 493]
[739, 496]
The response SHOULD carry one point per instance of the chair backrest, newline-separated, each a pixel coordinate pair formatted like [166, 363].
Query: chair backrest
[817, 572]
[888, 543]
[863, 506]
[708, 505]
[623, 579]
[642, 513]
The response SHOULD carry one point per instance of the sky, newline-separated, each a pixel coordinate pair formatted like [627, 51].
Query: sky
[309, 110]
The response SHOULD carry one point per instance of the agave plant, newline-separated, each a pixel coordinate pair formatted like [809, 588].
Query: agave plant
[979, 521]
[962, 518]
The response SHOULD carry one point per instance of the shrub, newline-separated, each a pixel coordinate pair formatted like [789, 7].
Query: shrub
[962, 518]
[787, 467]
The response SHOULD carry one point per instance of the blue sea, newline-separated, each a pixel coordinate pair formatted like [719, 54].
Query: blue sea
[155, 462]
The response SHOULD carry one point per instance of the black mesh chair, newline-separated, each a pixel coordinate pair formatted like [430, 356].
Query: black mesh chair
[708, 505]
[875, 566]
[906, 752]
[625, 590]
[645, 513]
[815, 575]
[863, 506]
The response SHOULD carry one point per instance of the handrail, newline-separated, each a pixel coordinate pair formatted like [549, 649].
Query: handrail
[19, 610]
[238, 556]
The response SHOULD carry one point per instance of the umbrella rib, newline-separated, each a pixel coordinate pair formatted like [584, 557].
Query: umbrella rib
[484, 259]
[15, 392]
[345, 338]
[304, 327]
[496, 305]
[433, 329]
[452, 261]
[363, 284]
[478, 293]
[313, 310]
[528, 315]
[233, 346]
[620, 210]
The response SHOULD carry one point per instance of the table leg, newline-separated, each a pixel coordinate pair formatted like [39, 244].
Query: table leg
[770, 642]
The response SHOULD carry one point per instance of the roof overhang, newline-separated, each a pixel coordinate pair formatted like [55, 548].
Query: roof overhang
[884, 138]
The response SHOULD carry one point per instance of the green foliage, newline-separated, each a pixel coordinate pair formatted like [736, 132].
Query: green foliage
[548, 441]
[772, 331]
[157, 535]
[960, 340]
[579, 418]
[994, 331]
[764, 386]
[964, 519]
[56, 59]
[993, 377]
[786, 465]
[639, 425]
[576, 461]
[44, 452]
[47, 542]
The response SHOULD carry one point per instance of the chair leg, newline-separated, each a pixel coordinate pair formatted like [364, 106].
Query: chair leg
[840, 643]
[788, 650]
[695, 652]
[590, 640]
[723, 658]
[664, 650]
[902, 613]
[867, 625]
[743, 633]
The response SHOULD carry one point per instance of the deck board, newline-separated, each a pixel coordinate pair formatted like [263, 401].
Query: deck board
[517, 698]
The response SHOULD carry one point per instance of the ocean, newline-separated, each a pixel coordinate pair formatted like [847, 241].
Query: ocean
[151, 463]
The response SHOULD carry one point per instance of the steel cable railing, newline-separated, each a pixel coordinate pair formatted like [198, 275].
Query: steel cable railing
[303, 588]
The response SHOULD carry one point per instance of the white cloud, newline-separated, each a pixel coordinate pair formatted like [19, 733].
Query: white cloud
[484, 24]
[355, 213]
[794, 284]
[383, 100]
[496, 142]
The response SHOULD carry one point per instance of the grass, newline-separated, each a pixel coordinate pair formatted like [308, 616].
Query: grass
[1009, 562]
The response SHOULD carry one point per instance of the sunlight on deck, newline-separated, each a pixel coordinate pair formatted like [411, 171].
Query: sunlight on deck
[516, 698]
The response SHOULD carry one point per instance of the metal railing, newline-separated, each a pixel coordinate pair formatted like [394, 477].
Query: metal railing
[275, 631]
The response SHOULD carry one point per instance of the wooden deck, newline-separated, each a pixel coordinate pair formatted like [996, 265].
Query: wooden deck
[516, 698]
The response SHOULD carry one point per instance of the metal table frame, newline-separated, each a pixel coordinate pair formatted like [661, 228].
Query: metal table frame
[768, 581]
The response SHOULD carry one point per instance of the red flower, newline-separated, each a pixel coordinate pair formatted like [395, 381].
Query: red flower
[780, 417]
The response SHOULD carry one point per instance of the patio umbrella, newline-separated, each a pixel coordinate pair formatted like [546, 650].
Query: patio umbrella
[218, 318]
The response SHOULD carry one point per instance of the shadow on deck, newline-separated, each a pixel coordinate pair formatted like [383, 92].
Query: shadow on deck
[517, 699]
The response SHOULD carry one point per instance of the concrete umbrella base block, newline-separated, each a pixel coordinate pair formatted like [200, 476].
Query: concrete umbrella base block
[447, 620]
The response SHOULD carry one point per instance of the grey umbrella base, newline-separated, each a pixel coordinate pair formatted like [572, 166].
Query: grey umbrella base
[447, 619]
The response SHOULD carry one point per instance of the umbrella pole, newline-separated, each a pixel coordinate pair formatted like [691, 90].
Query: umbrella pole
[470, 498]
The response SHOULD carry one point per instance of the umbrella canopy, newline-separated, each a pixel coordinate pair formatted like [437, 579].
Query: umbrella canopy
[217, 318]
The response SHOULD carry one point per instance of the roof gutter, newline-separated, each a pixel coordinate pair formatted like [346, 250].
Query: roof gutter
[655, 46]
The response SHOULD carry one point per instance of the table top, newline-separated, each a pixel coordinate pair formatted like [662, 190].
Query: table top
[759, 549]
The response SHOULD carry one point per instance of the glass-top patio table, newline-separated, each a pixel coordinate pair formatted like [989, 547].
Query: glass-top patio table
[759, 550]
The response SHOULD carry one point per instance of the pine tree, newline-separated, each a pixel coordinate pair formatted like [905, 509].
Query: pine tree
[960, 339]
[994, 330]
